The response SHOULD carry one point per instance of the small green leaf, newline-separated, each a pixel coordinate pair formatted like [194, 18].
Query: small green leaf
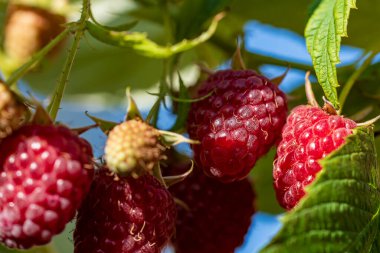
[323, 38]
[41, 116]
[340, 212]
[105, 125]
[132, 110]
[278, 79]
[171, 139]
[140, 43]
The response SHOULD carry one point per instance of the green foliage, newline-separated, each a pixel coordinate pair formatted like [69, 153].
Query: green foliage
[142, 45]
[323, 37]
[341, 210]
[188, 24]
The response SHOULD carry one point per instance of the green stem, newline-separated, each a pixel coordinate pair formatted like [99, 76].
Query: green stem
[167, 20]
[352, 79]
[63, 79]
[20, 72]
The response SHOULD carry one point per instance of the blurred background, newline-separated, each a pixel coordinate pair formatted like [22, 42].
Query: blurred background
[272, 32]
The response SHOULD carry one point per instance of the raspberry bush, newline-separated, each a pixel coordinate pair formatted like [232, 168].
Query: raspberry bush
[251, 142]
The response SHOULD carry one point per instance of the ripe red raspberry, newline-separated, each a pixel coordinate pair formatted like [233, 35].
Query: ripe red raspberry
[28, 29]
[124, 215]
[219, 214]
[309, 135]
[237, 124]
[45, 173]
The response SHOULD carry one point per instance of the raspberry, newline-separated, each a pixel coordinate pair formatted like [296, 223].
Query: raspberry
[13, 113]
[133, 148]
[219, 214]
[45, 172]
[28, 29]
[309, 135]
[237, 124]
[124, 216]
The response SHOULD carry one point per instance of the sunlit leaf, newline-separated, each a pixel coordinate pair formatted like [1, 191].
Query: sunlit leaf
[323, 38]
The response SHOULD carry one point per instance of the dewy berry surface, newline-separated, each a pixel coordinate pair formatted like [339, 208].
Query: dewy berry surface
[45, 173]
[309, 135]
[124, 215]
[237, 123]
[218, 214]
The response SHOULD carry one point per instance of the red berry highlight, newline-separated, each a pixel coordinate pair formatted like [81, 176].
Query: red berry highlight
[308, 135]
[45, 173]
[237, 124]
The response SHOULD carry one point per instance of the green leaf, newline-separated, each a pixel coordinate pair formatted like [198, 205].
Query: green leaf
[140, 43]
[341, 210]
[132, 109]
[323, 37]
[104, 125]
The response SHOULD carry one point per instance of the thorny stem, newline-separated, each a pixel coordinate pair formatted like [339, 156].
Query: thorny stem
[355, 75]
[63, 79]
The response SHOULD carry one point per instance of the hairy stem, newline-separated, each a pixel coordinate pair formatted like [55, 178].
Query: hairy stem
[63, 79]
[352, 79]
